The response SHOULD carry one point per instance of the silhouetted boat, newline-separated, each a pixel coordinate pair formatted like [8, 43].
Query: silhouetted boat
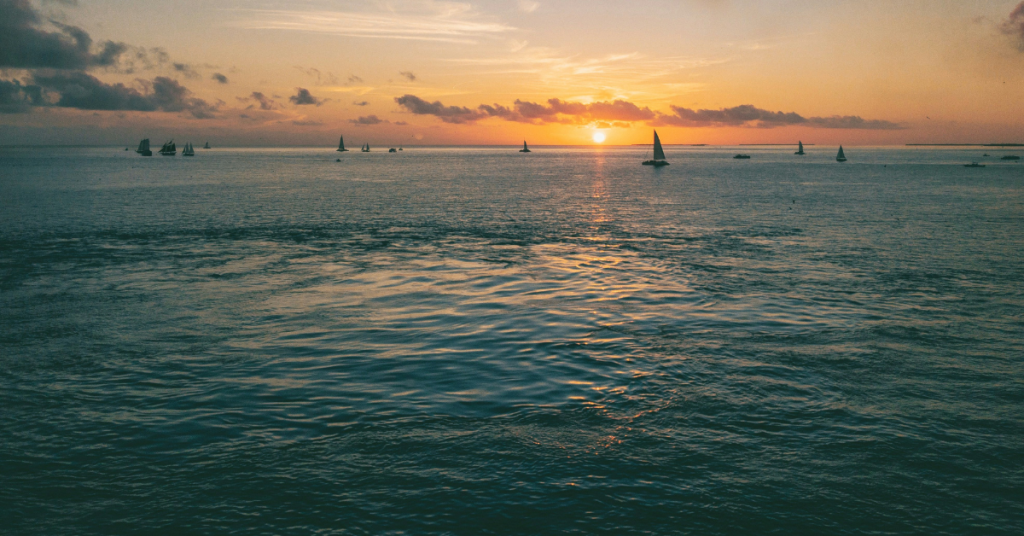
[659, 154]
[525, 149]
[399, 147]
[742, 157]
[144, 148]
[366, 148]
[841, 157]
[189, 150]
[974, 164]
[341, 145]
[169, 149]
[800, 151]
[207, 146]
[392, 150]
[1010, 157]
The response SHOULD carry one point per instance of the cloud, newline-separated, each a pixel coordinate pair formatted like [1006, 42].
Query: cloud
[304, 98]
[361, 103]
[186, 70]
[528, 6]
[307, 123]
[17, 98]
[368, 120]
[451, 22]
[408, 75]
[264, 102]
[1014, 25]
[621, 114]
[748, 115]
[448, 114]
[26, 43]
[75, 89]
[354, 80]
[322, 79]
[220, 78]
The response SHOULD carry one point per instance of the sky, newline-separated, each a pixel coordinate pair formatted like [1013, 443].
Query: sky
[491, 72]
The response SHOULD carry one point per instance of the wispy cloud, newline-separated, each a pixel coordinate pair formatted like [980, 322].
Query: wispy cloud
[1014, 25]
[451, 22]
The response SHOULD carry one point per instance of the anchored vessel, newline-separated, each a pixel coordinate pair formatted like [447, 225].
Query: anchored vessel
[659, 154]
[841, 157]
[144, 148]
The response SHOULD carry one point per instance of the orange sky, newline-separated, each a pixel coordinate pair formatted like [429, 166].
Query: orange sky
[439, 72]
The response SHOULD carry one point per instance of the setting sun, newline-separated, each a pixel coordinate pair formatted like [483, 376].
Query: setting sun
[599, 137]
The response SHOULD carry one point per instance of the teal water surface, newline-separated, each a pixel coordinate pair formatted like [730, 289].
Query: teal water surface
[476, 341]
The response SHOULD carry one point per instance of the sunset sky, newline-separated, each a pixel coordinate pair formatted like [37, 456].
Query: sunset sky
[499, 71]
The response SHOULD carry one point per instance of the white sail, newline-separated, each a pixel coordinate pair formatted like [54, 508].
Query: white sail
[659, 154]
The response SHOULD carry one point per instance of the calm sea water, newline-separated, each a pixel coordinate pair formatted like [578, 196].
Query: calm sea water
[474, 341]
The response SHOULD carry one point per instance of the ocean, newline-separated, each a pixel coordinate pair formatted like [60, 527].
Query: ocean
[471, 341]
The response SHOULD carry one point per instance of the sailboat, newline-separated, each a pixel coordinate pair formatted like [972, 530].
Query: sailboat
[659, 154]
[144, 148]
[341, 145]
[207, 146]
[841, 157]
[525, 149]
[800, 151]
[189, 150]
[169, 149]
[366, 148]
[399, 146]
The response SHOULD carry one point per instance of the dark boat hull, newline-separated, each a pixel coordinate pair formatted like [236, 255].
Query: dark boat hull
[655, 163]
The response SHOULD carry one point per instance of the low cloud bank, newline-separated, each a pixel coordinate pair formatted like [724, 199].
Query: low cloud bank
[622, 113]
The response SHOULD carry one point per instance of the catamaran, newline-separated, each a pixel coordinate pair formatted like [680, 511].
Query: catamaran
[659, 154]
[841, 157]
[341, 145]
[800, 151]
[525, 149]
[144, 148]
[169, 149]
[189, 150]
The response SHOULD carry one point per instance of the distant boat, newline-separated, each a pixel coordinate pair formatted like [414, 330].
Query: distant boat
[841, 157]
[525, 149]
[189, 150]
[207, 146]
[341, 145]
[399, 147]
[392, 150]
[169, 149]
[742, 157]
[1010, 157]
[800, 151]
[144, 148]
[986, 154]
[366, 148]
[974, 164]
[659, 154]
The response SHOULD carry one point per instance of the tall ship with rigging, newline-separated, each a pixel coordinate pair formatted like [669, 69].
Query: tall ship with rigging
[189, 150]
[144, 148]
[169, 149]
